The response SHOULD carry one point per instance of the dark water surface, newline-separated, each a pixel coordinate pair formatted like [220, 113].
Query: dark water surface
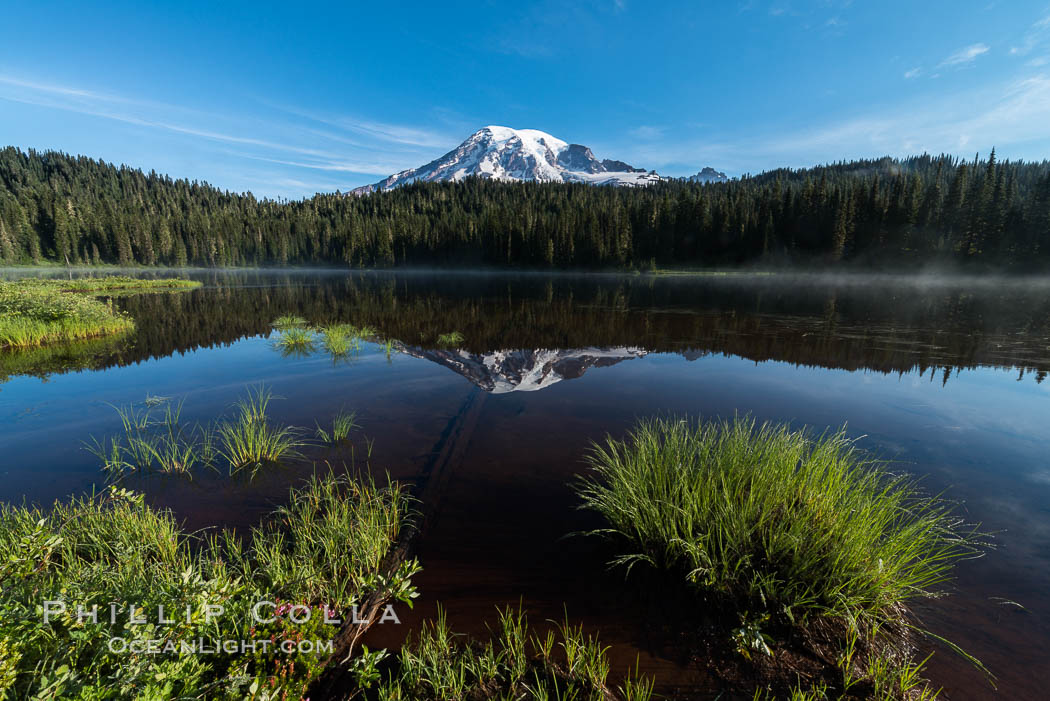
[943, 376]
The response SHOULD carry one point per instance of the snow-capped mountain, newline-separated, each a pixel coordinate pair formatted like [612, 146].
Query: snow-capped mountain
[502, 153]
[708, 175]
[524, 370]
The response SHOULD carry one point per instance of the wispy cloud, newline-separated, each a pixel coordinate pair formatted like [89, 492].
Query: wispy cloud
[1036, 35]
[965, 56]
[913, 73]
[297, 139]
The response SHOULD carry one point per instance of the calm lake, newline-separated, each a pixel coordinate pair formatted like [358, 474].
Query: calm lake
[946, 377]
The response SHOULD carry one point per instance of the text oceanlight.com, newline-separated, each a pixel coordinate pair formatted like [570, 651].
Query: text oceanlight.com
[200, 646]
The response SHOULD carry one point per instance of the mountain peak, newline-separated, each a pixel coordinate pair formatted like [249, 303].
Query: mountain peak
[515, 155]
[708, 175]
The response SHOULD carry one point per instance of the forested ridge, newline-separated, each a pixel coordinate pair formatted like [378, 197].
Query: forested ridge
[980, 212]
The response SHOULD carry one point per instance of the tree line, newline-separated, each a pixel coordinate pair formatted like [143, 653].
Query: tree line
[982, 212]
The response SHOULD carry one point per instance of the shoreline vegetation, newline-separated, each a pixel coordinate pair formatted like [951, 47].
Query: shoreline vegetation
[807, 552]
[320, 556]
[340, 549]
[38, 311]
[800, 555]
[980, 214]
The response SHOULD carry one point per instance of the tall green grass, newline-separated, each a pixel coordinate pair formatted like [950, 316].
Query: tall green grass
[147, 443]
[296, 340]
[249, 439]
[339, 340]
[111, 283]
[153, 438]
[342, 424]
[514, 664]
[773, 518]
[329, 541]
[787, 529]
[114, 549]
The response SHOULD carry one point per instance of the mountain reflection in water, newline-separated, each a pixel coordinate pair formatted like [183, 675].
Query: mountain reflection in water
[524, 331]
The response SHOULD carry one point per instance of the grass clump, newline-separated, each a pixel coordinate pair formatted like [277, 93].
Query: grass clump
[342, 424]
[250, 440]
[113, 549]
[153, 438]
[296, 340]
[515, 663]
[339, 340]
[793, 532]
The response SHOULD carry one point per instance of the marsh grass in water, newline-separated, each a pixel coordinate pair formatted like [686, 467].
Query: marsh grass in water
[794, 532]
[342, 424]
[250, 439]
[151, 443]
[340, 340]
[155, 438]
[38, 311]
[296, 340]
[515, 663]
[113, 548]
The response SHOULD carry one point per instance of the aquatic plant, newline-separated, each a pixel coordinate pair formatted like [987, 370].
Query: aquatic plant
[249, 439]
[289, 322]
[295, 340]
[515, 663]
[342, 424]
[367, 332]
[145, 443]
[340, 340]
[776, 524]
[450, 339]
[112, 548]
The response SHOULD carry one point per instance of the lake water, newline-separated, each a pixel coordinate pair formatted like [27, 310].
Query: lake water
[943, 376]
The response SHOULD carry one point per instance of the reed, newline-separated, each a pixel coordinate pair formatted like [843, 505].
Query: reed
[342, 424]
[249, 440]
[339, 340]
[798, 530]
[514, 663]
[146, 443]
[296, 340]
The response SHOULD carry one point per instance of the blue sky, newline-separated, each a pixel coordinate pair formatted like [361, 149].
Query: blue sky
[290, 99]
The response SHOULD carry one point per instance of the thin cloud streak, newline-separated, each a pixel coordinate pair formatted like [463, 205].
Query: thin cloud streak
[964, 56]
[410, 144]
